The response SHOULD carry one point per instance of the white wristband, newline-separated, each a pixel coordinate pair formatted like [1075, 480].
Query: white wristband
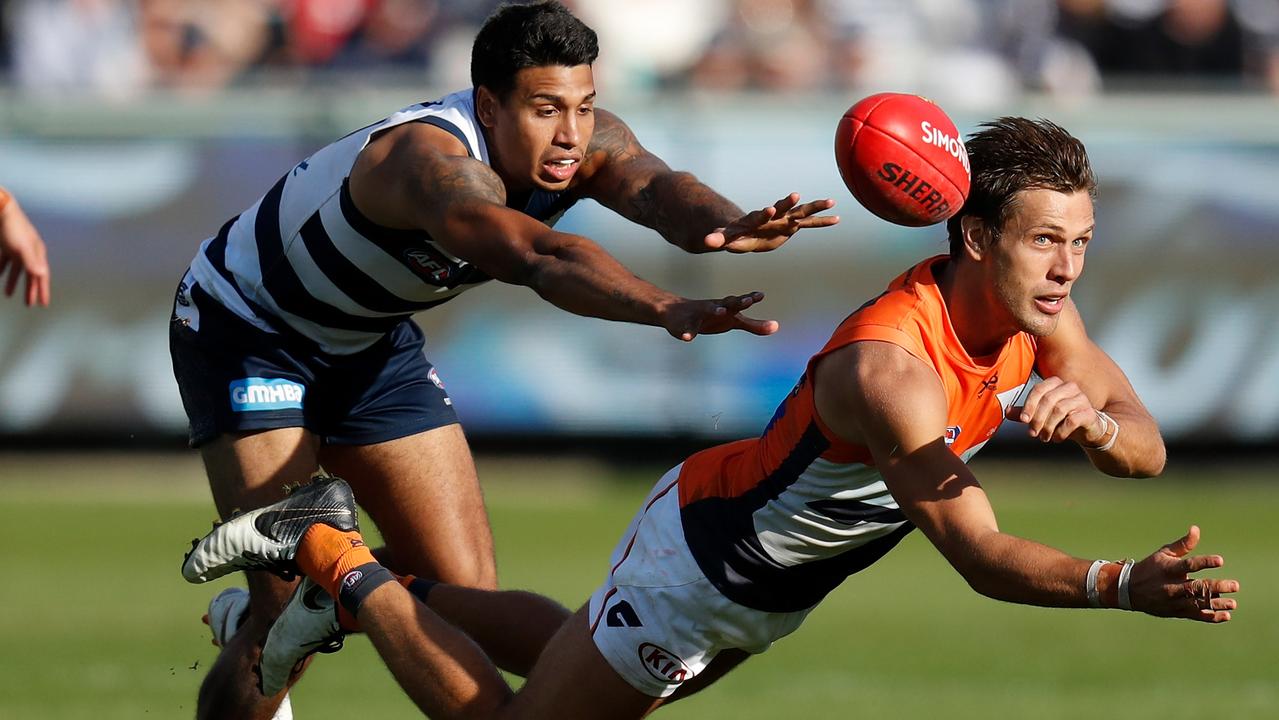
[1090, 583]
[1125, 574]
[1109, 422]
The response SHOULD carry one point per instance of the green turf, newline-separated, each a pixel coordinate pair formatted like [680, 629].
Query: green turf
[98, 624]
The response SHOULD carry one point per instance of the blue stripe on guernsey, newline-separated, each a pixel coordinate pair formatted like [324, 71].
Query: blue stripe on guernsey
[414, 250]
[342, 273]
[215, 253]
[366, 227]
[451, 129]
[282, 283]
[254, 393]
[354, 282]
[723, 539]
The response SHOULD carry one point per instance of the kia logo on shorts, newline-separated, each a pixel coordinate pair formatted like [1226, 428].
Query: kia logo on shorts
[663, 664]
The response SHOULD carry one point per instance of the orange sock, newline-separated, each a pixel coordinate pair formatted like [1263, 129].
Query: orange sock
[326, 554]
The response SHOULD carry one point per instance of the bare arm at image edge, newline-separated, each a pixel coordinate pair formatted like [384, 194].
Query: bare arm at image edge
[22, 253]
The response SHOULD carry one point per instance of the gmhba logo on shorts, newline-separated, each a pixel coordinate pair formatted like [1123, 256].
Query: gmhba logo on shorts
[255, 393]
[663, 664]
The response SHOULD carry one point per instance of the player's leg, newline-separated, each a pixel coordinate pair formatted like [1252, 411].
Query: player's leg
[250, 471]
[441, 668]
[389, 429]
[512, 627]
[448, 676]
[423, 494]
[573, 680]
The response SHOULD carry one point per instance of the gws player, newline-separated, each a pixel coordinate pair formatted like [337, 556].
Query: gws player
[292, 343]
[734, 547]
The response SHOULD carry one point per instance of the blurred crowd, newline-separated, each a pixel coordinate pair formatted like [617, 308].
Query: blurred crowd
[986, 49]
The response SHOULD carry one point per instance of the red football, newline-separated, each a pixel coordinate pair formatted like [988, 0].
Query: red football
[903, 159]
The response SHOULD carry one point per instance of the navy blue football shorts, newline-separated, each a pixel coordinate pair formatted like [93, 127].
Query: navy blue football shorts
[237, 378]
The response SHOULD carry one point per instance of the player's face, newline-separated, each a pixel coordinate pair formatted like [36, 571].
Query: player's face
[539, 133]
[1039, 255]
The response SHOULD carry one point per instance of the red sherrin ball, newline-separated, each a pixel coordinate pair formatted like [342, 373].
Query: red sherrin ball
[903, 159]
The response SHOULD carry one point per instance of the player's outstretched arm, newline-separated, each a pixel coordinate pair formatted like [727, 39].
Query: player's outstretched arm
[22, 252]
[414, 178]
[1086, 398]
[879, 395]
[638, 185]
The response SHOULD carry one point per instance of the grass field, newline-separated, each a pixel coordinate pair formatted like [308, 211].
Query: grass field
[98, 624]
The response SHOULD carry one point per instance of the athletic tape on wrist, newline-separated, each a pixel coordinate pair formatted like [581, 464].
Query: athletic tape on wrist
[358, 584]
[1090, 583]
[1109, 422]
[1125, 574]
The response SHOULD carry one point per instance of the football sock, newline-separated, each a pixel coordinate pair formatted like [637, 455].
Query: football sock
[327, 555]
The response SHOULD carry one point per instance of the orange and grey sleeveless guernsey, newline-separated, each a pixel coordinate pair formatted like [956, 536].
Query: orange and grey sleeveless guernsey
[303, 261]
[777, 522]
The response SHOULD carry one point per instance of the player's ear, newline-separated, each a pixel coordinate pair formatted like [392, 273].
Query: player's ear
[485, 106]
[976, 237]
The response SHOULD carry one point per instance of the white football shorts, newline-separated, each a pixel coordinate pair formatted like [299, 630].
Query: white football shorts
[656, 619]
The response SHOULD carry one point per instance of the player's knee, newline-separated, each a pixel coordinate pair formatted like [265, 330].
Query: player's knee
[477, 576]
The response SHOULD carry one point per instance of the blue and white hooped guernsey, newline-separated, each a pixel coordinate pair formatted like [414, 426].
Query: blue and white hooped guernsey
[303, 257]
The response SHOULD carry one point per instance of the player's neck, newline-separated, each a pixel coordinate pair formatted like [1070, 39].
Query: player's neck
[975, 314]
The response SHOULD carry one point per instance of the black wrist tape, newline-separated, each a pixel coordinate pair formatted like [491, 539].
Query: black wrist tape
[359, 583]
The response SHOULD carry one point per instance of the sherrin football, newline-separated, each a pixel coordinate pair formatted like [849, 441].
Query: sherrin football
[903, 159]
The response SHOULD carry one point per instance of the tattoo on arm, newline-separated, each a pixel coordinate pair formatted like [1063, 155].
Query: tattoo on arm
[447, 179]
[642, 188]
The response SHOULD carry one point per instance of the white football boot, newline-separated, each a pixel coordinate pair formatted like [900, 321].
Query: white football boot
[226, 614]
[308, 624]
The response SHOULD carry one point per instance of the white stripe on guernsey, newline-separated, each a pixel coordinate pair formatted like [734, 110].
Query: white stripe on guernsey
[377, 263]
[970, 452]
[220, 290]
[242, 254]
[1014, 397]
[792, 533]
[318, 285]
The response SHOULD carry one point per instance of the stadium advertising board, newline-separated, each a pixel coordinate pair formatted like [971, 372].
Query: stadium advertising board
[1177, 289]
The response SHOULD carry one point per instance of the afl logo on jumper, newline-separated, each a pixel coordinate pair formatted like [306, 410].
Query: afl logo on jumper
[952, 434]
[429, 264]
[662, 664]
[255, 393]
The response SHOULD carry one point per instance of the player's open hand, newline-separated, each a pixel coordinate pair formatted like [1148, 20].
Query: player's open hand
[22, 253]
[689, 318]
[767, 228]
[1056, 410]
[1161, 584]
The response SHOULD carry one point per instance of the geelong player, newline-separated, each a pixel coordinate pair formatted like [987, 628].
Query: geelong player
[22, 252]
[734, 547]
[292, 343]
